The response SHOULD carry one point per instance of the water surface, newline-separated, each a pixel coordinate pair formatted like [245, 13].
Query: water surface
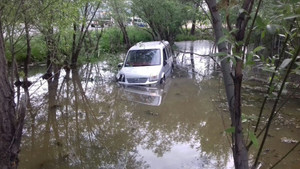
[83, 119]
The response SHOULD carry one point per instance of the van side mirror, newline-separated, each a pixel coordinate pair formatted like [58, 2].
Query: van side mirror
[120, 65]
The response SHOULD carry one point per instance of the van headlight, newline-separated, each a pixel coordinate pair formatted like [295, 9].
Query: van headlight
[153, 78]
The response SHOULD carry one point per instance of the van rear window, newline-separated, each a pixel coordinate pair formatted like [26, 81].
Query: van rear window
[146, 57]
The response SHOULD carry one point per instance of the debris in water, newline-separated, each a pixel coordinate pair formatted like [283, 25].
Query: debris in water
[151, 113]
[266, 151]
[288, 140]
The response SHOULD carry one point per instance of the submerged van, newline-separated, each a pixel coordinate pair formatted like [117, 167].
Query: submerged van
[146, 63]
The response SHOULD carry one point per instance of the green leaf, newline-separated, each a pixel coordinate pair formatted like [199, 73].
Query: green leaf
[292, 17]
[285, 63]
[260, 23]
[228, 57]
[249, 59]
[238, 57]
[272, 87]
[242, 10]
[258, 48]
[282, 35]
[253, 139]
[220, 54]
[263, 34]
[269, 69]
[297, 72]
[230, 130]
[222, 39]
[244, 118]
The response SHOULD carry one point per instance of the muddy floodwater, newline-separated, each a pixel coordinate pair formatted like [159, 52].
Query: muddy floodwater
[83, 119]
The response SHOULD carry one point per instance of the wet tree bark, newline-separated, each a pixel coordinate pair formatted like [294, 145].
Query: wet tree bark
[125, 35]
[194, 19]
[26, 83]
[240, 151]
[10, 125]
[222, 47]
[233, 92]
[50, 52]
[193, 27]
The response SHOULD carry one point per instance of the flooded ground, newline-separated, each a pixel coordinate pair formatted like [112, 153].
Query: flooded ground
[83, 119]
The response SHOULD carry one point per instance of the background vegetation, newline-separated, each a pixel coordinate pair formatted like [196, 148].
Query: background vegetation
[64, 34]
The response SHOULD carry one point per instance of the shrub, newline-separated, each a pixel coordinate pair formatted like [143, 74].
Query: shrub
[38, 49]
[137, 34]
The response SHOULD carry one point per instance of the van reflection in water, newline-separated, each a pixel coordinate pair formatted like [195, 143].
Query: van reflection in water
[147, 95]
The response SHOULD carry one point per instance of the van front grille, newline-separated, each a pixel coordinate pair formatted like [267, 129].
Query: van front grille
[137, 80]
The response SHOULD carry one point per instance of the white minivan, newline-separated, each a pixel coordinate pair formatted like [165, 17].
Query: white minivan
[146, 63]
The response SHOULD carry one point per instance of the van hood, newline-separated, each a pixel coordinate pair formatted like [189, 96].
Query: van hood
[142, 71]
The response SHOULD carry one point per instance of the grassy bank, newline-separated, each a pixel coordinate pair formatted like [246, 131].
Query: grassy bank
[111, 43]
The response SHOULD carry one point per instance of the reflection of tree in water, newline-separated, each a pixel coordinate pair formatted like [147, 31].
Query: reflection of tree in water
[73, 133]
[177, 123]
[84, 124]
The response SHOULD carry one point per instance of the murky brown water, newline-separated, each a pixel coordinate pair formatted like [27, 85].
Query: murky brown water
[84, 120]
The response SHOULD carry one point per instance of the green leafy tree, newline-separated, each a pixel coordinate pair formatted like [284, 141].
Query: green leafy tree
[165, 18]
[11, 121]
[120, 13]
[237, 38]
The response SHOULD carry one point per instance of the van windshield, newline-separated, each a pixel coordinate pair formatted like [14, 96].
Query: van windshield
[146, 57]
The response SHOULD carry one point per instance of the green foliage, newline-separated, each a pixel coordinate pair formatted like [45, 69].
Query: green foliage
[20, 51]
[137, 34]
[253, 139]
[111, 40]
[38, 49]
[230, 130]
[184, 37]
[164, 17]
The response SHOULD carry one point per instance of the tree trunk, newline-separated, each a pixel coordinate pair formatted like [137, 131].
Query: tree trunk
[240, 153]
[78, 41]
[222, 47]
[9, 130]
[125, 34]
[26, 84]
[233, 90]
[193, 27]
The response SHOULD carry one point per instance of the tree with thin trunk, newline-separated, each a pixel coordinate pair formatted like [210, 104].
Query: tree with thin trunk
[119, 10]
[233, 46]
[233, 81]
[87, 12]
[11, 123]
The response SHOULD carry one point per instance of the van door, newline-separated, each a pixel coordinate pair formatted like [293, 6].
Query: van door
[171, 55]
[166, 62]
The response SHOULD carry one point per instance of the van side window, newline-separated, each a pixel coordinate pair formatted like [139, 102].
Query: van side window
[165, 57]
